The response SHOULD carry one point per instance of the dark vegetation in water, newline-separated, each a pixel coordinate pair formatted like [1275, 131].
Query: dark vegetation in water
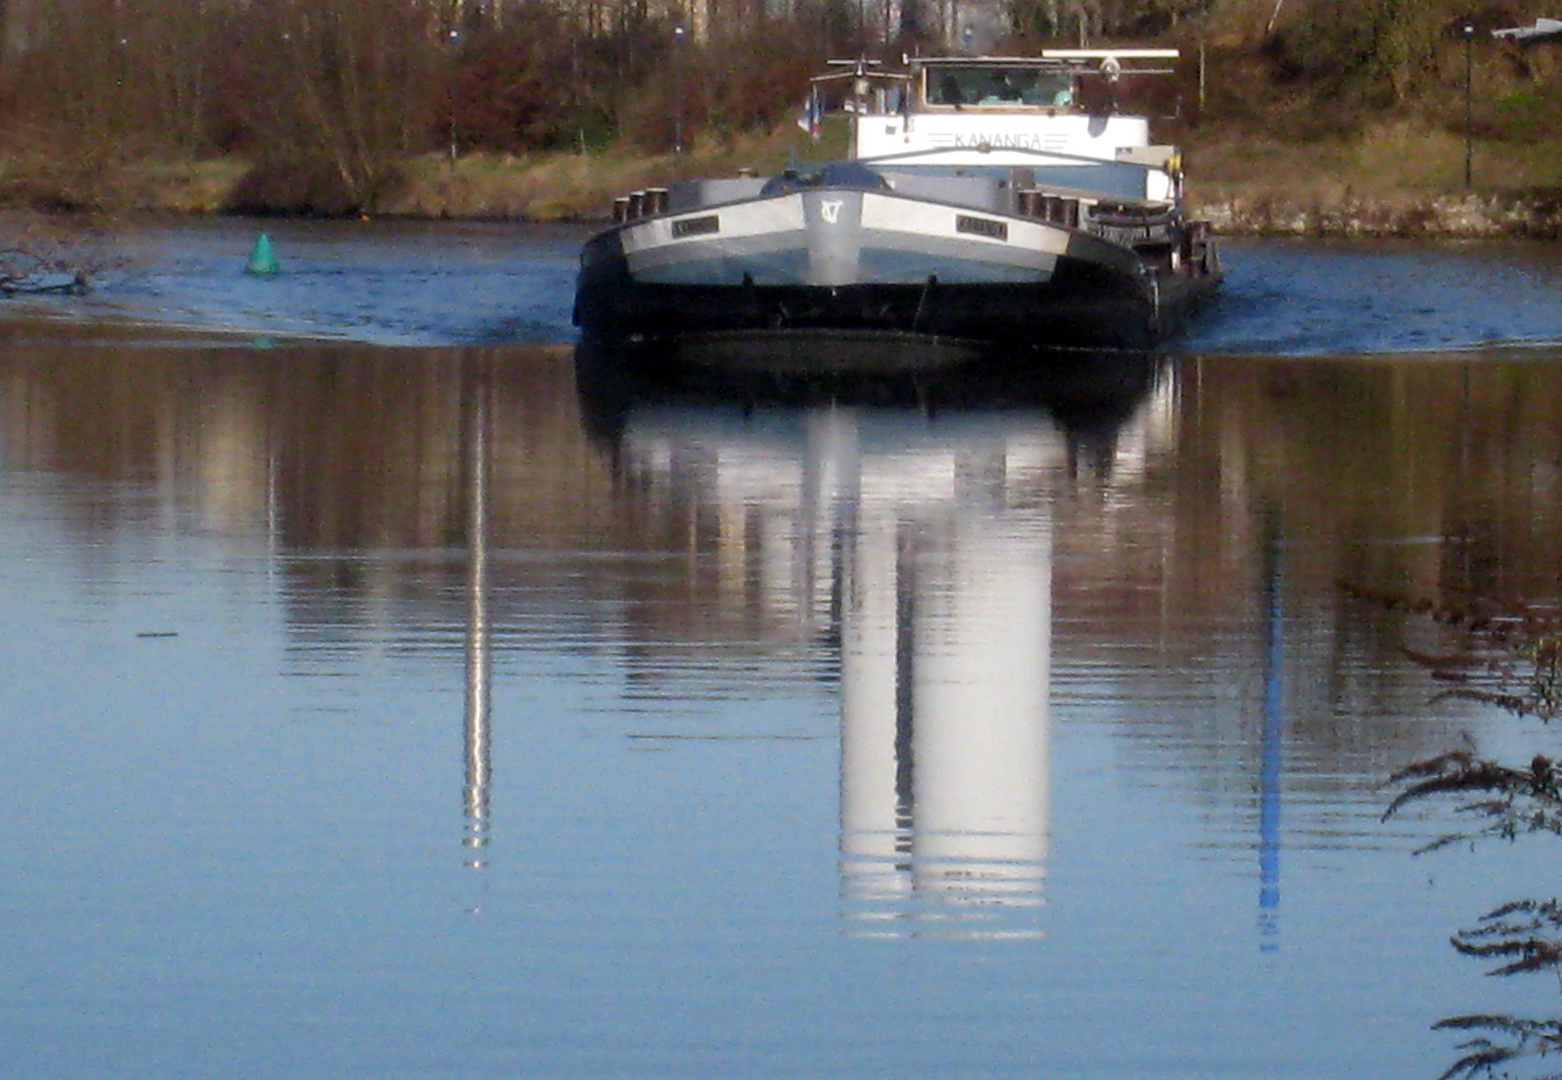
[1511, 659]
[42, 256]
[325, 102]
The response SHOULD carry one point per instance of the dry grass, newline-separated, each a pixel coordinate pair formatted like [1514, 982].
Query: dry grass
[1389, 173]
[1395, 166]
[1397, 176]
[550, 187]
[542, 187]
[183, 187]
[539, 187]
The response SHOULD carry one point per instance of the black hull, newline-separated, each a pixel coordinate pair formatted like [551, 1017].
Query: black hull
[859, 259]
[1084, 305]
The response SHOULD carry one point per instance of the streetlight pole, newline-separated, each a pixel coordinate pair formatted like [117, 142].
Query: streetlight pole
[453, 38]
[1467, 29]
[678, 33]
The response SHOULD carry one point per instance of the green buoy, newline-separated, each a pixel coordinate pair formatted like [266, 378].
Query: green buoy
[262, 260]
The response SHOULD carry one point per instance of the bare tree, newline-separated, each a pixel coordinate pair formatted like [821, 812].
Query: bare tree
[344, 85]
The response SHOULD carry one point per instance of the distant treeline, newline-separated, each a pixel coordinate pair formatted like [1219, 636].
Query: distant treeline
[350, 87]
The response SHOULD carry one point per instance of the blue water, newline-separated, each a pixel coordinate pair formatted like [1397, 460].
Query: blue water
[1300, 297]
[419, 283]
[381, 283]
[392, 707]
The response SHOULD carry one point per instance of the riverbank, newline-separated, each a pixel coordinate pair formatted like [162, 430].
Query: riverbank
[1390, 182]
[1468, 215]
[1393, 179]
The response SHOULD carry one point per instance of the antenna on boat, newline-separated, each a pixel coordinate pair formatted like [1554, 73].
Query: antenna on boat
[1111, 60]
[1108, 63]
[1111, 71]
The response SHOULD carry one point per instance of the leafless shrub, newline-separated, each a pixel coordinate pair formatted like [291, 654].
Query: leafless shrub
[1510, 801]
[1511, 658]
[1484, 1056]
[1527, 934]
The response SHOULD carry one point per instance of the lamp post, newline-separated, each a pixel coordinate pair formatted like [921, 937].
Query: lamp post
[1467, 31]
[453, 39]
[678, 33]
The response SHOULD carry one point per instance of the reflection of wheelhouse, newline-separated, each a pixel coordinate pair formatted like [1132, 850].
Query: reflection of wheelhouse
[945, 717]
[940, 577]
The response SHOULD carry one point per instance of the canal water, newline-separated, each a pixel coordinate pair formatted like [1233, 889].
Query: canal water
[385, 694]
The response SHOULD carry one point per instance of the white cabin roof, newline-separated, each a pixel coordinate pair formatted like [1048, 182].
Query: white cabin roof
[986, 111]
[1543, 30]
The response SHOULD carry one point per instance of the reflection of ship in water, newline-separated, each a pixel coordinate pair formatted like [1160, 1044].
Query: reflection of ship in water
[359, 472]
[927, 555]
[476, 417]
[945, 656]
[1086, 390]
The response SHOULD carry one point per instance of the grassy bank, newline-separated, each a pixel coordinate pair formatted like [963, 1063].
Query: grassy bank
[1395, 178]
[1392, 179]
[532, 187]
[563, 186]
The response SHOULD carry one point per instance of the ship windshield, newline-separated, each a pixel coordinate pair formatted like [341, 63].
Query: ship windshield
[1003, 86]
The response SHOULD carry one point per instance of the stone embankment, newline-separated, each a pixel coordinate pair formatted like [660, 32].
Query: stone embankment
[1473, 216]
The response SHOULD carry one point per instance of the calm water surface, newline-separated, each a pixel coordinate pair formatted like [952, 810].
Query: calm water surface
[413, 706]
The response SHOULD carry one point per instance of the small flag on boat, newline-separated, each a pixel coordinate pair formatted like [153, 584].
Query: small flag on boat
[813, 111]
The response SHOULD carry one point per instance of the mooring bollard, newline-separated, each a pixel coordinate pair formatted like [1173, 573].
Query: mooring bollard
[262, 260]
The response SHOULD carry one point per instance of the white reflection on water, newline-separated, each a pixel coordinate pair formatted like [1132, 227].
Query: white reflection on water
[939, 542]
[477, 417]
[1270, 767]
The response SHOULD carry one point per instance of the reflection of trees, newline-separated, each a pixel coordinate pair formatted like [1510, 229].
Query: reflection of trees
[349, 450]
[1419, 477]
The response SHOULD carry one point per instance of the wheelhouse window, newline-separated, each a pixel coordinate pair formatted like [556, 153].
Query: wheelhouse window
[959, 86]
